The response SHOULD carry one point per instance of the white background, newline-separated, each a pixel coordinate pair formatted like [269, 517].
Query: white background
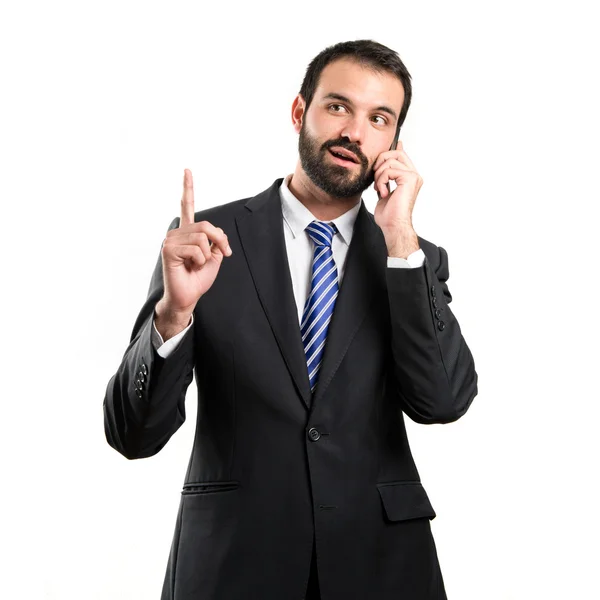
[102, 107]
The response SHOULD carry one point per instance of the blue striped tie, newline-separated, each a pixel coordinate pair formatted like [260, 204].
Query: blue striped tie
[320, 303]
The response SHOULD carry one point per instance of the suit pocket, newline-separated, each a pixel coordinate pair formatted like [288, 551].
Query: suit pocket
[209, 487]
[403, 500]
[208, 538]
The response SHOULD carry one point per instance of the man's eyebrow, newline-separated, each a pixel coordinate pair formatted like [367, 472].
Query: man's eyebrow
[383, 108]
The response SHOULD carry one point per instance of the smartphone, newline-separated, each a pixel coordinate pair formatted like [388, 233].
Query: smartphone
[396, 137]
[393, 147]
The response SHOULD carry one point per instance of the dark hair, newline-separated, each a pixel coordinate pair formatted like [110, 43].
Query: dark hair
[366, 53]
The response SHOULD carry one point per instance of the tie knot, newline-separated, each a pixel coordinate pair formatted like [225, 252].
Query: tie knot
[321, 233]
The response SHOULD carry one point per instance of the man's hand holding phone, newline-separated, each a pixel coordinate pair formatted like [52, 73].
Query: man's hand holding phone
[393, 212]
[191, 258]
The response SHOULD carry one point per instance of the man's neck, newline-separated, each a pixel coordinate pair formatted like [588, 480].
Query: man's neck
[320, 204]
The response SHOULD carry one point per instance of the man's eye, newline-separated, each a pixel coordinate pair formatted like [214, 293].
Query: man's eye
[382, 120]
[338, 106]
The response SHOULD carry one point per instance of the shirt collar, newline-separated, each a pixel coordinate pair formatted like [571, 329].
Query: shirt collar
[298, 217]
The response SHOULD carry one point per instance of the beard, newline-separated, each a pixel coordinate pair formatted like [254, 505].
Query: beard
[336, 180]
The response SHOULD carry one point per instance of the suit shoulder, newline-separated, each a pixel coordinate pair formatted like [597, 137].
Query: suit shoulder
[216, 215]
[222, 212]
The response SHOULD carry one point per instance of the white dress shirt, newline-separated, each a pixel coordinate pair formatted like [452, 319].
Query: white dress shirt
[300, 251]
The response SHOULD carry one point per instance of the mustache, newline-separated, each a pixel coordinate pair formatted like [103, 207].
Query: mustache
[351, 147]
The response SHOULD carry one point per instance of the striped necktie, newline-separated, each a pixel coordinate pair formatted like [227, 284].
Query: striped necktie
[320, 303]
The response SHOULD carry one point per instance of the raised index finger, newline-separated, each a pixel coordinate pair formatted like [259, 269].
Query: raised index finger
[187, 199]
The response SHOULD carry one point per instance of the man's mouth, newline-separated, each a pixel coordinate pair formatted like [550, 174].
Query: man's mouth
[343, 155]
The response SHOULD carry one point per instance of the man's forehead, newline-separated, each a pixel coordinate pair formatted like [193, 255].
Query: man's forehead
[348, 78]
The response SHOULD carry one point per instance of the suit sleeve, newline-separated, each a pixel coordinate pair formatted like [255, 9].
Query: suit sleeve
[163, 348]
[145, 399]
[433, 366]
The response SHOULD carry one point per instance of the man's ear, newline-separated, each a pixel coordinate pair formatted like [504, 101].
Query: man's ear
[298, 108]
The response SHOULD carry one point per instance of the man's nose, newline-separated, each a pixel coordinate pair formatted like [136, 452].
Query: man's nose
[353, 131]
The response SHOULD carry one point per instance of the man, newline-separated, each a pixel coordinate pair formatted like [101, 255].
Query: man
[311, 326]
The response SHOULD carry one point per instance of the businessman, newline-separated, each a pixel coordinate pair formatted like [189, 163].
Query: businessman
[313, 327]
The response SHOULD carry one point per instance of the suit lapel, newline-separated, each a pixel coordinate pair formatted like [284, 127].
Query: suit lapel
[261, 234]
[363, 273]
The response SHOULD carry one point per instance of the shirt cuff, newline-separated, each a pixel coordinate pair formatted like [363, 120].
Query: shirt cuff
[164, 349]
[413, 260]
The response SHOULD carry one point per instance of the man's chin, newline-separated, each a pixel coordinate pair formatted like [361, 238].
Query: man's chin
[338, 181]
[341, 191]
[346, 184]
[350, 186]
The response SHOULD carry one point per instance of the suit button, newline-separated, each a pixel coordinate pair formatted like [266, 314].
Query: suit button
[138, 384]
[138, 393]
[144, 369]
[433, 290]
[313, 434]
[438, 314]
[441, 325]
[141, 376]
[434, 302]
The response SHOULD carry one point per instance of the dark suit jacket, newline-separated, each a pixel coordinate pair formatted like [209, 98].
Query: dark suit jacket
[271, 466]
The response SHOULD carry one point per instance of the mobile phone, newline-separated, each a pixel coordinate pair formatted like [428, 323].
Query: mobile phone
[393, 147]
[396, 137]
